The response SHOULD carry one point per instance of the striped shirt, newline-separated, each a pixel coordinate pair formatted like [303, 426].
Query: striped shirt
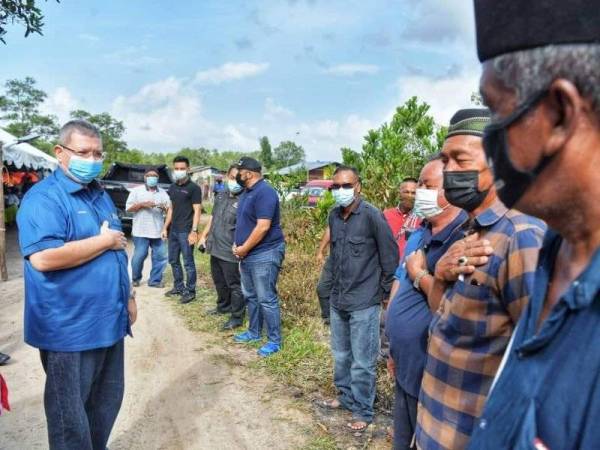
[148, 222]
[472, 329]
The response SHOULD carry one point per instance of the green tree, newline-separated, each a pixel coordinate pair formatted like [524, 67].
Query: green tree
[23, 12]
[266, 153]
[21, 107]
[287, 153]
[395, 150]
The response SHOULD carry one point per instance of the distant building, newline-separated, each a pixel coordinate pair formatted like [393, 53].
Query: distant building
[204, 176]
[316, 170]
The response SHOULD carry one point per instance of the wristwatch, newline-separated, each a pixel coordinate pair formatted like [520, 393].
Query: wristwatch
[418, 278]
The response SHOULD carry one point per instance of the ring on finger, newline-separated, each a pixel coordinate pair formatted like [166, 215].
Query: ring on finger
[463, 260]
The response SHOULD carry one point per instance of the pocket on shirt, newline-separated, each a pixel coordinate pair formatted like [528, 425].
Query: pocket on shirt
[357, 246]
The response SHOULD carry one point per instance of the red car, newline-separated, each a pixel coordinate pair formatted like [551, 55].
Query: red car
[315, 189]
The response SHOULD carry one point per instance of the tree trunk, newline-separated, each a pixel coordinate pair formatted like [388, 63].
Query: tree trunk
[3, 269]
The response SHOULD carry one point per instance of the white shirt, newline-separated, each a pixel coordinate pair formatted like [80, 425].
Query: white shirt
[148, 222]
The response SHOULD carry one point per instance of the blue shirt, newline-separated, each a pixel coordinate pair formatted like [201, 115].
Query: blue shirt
[84, 307]
[550, 386]
[258, 202]
[408, 315]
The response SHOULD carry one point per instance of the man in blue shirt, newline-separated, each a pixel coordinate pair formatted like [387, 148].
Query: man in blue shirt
[540, 79]
[409, 315]
[78, 303]
[260, 246]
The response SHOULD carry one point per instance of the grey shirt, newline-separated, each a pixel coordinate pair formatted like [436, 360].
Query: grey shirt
[364, 257]
[222, 229]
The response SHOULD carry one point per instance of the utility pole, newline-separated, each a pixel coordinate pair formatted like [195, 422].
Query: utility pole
[3, 269]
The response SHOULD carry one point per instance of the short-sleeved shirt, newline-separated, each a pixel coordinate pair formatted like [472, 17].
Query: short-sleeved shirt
[402, 225]
[148, 222]
[183, 198]
[363, 257]
[222, 229]
[259, 202]
[84, 307]
[471, 332]
[408, 315]
[549, 389]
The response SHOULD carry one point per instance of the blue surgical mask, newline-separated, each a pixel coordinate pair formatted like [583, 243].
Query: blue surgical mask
[426, 204]
[84, 170]
[179, 175]
[233, 186]
[343, 197]
[151, 181]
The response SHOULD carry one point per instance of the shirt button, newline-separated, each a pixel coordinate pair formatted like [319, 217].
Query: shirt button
[575, 283]
[483, 424]
[521, 354]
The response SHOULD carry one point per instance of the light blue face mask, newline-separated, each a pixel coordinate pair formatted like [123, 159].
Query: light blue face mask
[343, 197]
[233, 186]
[151, 181]
[84, 170]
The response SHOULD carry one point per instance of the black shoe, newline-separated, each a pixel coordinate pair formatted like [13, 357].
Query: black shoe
[231, 324]
[187, 297]
[217, 312]
[173, 293]
[136, 284]
[3, 359]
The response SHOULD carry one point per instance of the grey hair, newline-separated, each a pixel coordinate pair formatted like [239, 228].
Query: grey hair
[531, 71]
[78, 126]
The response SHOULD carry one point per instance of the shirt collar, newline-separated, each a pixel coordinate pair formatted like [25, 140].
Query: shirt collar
[491, 215]
[72, 186]
[447, 231]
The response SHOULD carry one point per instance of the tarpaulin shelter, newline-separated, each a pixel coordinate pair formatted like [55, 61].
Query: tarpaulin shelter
[24, 156]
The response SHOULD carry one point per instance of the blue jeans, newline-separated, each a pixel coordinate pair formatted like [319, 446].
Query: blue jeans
[83, 395]
[140, 252]
[259, 286]
[178, 246]
[355, 348]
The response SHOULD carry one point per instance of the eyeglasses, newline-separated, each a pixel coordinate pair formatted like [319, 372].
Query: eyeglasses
[87, 154]
[335, 187]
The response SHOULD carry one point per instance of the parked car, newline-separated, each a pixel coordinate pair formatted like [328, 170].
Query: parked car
[121, 178]
[315, 189]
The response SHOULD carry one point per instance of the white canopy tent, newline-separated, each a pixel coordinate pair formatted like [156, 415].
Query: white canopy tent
[24, 155]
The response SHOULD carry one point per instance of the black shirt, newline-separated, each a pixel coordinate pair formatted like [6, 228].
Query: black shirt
[222, 229]
[183, 196]
[364, 257]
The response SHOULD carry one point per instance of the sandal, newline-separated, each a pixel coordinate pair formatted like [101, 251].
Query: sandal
[358, 426]
[330, 404]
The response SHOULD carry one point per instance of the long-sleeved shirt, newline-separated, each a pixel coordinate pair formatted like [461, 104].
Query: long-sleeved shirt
[364, 257]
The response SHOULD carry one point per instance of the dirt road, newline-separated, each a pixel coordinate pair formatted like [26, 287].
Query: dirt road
[182, 392]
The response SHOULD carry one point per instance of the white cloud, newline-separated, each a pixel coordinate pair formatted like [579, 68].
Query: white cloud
[132, 56]
[444, 95]
[349, 70]
[60, 103]
[274, 111]
[230, 71]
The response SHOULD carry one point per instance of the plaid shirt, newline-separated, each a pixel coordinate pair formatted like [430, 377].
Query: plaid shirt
[473, 327]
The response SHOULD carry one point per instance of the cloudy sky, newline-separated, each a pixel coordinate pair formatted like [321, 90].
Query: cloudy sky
[220, 74]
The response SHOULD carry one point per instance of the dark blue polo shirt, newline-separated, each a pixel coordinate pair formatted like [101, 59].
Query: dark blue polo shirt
[76, 309]
[408, 315]
[258, 202]
[549, 389]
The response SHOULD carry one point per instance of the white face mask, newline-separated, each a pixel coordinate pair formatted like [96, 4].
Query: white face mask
[179, 174]
[426, 204]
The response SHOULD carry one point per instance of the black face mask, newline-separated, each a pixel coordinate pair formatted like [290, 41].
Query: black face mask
[239, 180]
[511, 183]
[461, 189]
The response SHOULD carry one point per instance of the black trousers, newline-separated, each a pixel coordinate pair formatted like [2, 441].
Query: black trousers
[226, 277]
[405, 419]
[324, 288]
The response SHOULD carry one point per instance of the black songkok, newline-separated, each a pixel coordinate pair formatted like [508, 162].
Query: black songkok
[505, 26]
[470, 121]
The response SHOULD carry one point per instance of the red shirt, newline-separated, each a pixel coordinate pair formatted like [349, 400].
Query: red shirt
[401, 223]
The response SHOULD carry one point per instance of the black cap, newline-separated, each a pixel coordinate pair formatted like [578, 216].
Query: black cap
[248, 163]
[506, 26]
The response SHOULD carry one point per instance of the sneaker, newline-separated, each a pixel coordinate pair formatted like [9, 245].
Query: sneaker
[156, 285]
[268, 349]
[187, 297]
[173, 293]
[136, 283]
[246, 338]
